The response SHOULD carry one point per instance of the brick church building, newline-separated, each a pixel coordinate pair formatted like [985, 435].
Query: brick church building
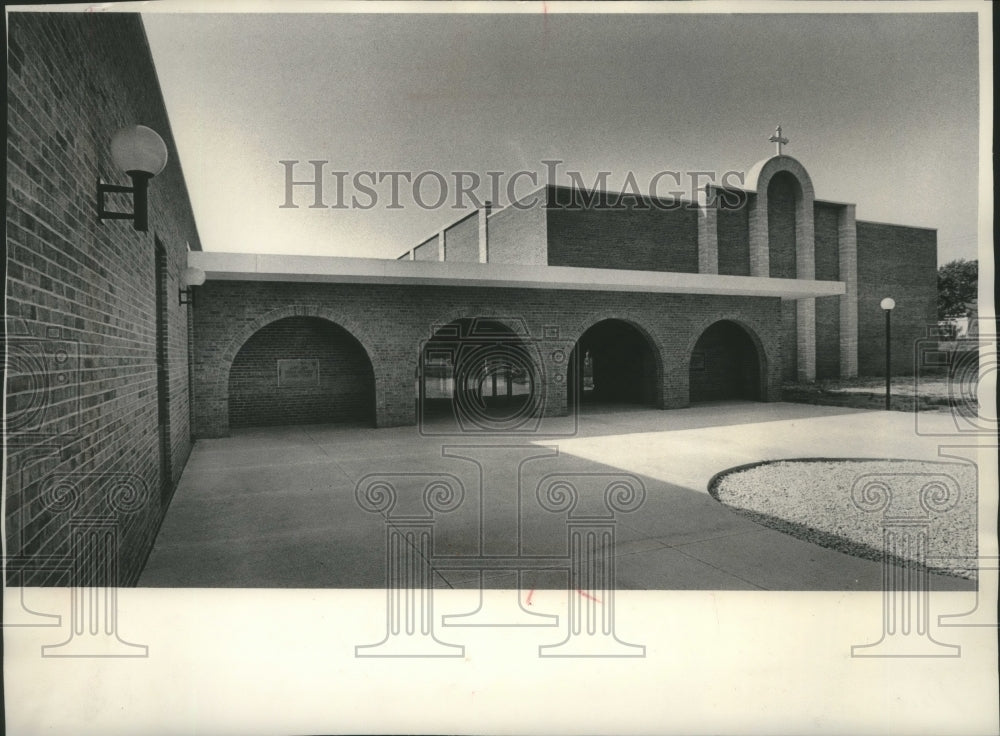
[508, 321]
[594, 296]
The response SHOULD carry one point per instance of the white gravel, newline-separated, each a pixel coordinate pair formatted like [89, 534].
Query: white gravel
[812, 500]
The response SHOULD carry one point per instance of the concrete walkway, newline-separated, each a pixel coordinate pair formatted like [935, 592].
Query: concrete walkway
[275, 507]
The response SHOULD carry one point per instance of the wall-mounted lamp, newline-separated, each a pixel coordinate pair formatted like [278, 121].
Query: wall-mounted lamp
[190, 277]
[141, 153]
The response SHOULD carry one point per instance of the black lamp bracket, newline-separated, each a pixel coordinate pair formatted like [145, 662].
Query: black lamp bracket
[139, 215]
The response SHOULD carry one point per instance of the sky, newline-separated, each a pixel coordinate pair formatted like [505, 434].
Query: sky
[881, 109]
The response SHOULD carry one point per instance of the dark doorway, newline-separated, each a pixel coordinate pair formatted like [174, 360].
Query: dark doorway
[301, 370]
[725, 365]
[613, 363]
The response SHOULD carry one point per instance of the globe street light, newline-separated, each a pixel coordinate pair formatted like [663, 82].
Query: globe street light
[887, 305]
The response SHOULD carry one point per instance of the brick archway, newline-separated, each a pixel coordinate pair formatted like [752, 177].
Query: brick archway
[768, 355]
[759, 180]
[638, 325]
[477, 369]
[801, 315]
[633, 319]
[224, 364]
[726, 364]
[244, 333]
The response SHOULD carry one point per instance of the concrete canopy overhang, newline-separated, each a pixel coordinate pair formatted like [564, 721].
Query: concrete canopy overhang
[220, 266]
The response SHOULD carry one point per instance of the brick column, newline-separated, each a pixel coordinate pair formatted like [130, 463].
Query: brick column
[708, 231]
[760, 247]
[847, 243]
[484, 233]
[395, 395]
[209, 386]
[555, 366]
[675, 382]
[805, 268]
[805, 334]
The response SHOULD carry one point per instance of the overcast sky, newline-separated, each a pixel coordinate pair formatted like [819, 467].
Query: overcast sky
[882, 110]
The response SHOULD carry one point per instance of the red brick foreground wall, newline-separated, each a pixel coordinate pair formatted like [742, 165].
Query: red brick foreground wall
[84, 425]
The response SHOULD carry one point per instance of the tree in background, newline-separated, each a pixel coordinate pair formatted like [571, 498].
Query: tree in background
[958, 283]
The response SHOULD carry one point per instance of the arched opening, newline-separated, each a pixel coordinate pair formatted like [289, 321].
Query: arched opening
[725, 365]
[301, 370]
[784, 195]
[613, 363]
[480, 373]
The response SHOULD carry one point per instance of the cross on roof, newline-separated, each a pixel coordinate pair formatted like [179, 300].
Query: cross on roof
[777, 139]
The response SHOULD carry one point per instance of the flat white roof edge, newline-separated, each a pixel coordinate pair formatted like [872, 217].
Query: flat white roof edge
[325, 269]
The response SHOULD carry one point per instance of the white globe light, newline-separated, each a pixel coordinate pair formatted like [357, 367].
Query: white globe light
[888, 303]
[139, 148]
[193, 276]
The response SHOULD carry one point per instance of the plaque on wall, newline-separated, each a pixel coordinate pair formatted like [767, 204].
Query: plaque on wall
[298, 373]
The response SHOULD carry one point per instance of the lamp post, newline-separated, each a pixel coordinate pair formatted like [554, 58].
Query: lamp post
[887, 305]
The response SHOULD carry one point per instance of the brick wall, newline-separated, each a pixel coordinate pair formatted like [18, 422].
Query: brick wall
[898, 262]
[461, 242]
[517, 236]
[392, 322]
[341, 390]
[634, 235]
[84, 418]
[734, 240]
[427, 251]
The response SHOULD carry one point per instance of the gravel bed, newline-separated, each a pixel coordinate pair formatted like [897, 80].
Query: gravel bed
[931, 387]
[812, 500]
